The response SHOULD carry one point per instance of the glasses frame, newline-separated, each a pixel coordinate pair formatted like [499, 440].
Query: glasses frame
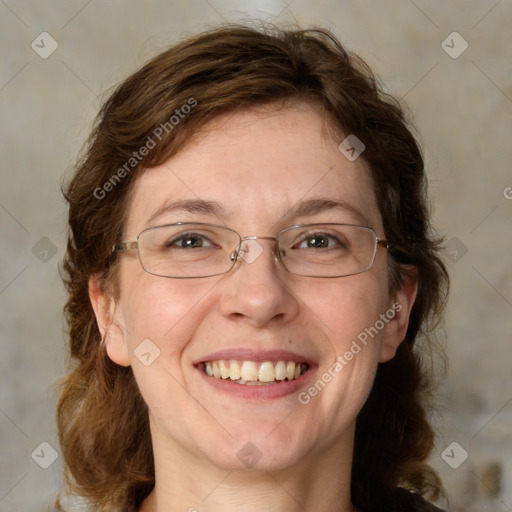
[235, 256]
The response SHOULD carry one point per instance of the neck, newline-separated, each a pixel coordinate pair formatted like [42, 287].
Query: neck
[319, 481]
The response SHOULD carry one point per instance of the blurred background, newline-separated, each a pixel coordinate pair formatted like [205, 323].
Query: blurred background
[450, 61]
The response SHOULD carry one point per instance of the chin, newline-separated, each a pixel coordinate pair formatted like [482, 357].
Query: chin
[256, 452]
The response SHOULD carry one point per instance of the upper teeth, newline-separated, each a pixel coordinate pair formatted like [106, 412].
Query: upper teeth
[251, 371]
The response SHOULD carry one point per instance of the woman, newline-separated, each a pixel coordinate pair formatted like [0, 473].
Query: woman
[249, 264]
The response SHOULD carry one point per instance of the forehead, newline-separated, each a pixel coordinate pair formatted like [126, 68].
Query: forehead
[255, 167]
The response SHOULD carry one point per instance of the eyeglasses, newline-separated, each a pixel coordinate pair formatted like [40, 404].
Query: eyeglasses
[192, 250]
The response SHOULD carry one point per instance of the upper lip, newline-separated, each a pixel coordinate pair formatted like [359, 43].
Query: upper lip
[247, 354]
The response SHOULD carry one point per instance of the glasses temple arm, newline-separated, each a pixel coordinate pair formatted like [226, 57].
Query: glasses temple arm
[125, 246]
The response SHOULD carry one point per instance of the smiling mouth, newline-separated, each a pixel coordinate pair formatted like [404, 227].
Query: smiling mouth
[254, 373]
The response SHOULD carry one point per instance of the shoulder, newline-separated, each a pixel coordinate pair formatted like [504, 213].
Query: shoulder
[413, 502]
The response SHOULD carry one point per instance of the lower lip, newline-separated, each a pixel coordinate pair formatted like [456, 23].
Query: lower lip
[259, 392]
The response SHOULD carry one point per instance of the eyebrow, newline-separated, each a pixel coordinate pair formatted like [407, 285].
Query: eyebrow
[303, 208]
[197, 206]
[320, 205]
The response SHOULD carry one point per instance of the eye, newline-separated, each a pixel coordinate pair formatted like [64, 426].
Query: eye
[190, 241]
[320, 241]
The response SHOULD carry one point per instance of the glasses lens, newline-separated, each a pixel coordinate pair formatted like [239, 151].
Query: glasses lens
[327, 250]
[187, 250]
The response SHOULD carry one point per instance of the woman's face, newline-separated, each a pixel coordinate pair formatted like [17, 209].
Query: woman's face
[258, 169]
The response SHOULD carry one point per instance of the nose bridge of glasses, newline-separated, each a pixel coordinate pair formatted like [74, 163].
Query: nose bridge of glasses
[259, 238]
[248, 251]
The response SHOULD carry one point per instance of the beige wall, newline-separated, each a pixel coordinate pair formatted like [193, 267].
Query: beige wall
[462, 107]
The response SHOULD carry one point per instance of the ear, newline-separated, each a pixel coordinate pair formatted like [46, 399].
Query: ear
[112, 332]
[396, 329]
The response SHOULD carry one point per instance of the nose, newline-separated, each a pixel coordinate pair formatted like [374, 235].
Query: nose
[257, 291]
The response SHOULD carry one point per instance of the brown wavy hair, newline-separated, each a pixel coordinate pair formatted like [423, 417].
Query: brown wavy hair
[102, 418]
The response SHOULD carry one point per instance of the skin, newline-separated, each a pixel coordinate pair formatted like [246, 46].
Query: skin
[257, 164]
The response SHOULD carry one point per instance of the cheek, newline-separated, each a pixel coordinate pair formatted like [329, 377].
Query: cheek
[161, 316]
[349, 312]
[346, 307]
[161, 310]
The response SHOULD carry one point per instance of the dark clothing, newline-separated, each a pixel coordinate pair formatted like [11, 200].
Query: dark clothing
[400, 500]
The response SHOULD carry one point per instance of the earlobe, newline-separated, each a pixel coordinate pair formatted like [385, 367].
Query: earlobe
[397, 328]
[112, 332]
